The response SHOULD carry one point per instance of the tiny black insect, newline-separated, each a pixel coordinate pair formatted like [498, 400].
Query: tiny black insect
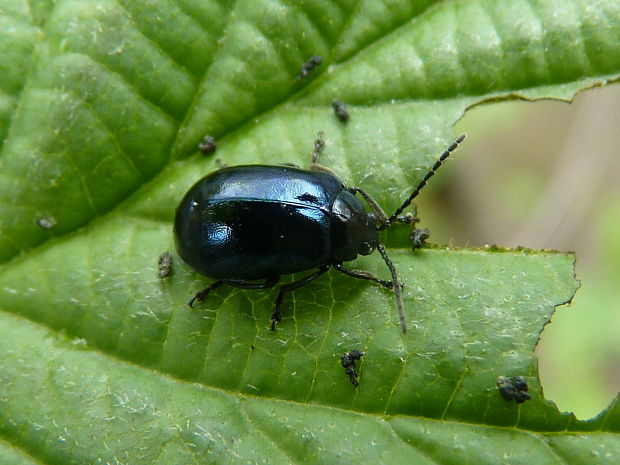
[521, 397]
[207, 145]
[308, 66]
[513, 389]
[248, 225]
[47, 223]
[341, 110]
[164, 264]
[519, 383]
[506, 388]
[348, 362]
[418, 237]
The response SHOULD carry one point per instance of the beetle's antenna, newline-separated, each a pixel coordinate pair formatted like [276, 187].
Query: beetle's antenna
[397, 286]
[429, 175]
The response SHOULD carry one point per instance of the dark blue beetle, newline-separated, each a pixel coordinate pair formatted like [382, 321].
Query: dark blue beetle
[247, 225]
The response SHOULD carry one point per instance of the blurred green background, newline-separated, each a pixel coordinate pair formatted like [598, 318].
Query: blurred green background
[546, 174]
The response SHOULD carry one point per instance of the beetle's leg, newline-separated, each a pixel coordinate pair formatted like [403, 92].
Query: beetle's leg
[363, 275]
[242, 284]
[376, 208]
[200, 295]
[407, 218]
[397, 286]
[325, 169]
[319, 143]
[418, 236]
[238, 283]
[276, 316]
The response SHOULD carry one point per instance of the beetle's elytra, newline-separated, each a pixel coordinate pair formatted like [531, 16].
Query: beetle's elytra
[247, 225]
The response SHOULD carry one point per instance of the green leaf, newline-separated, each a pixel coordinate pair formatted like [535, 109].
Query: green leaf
[102, 105]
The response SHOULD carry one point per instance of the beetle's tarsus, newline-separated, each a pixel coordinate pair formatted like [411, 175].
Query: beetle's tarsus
[397, 286]
[276, 316]
[361, 274]
[274, 320]
[202, 294]
[407, 218]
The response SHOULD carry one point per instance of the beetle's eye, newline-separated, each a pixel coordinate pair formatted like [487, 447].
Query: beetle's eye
[365, 248]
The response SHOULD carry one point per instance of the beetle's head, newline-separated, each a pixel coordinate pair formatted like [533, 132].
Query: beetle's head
[353, 229]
